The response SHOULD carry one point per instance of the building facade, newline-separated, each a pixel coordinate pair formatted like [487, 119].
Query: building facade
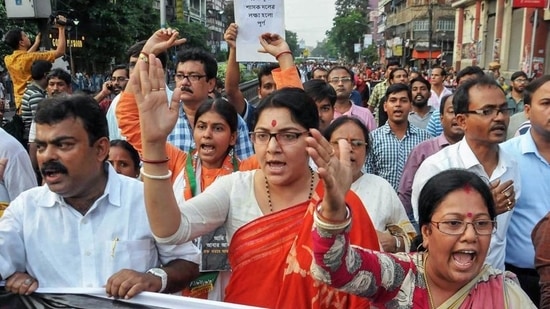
[406, 27]
[497, 31]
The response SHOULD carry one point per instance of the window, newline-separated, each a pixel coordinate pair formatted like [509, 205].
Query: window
[420, 25]
[445, 25]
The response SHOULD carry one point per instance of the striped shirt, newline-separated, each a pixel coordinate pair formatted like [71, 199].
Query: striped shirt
[388, 154]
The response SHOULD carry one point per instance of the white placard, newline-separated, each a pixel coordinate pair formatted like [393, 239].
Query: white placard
[255, 17]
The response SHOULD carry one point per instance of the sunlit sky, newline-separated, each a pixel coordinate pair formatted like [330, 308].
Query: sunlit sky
[310, 19]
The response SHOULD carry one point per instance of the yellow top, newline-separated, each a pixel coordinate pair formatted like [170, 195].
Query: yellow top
[19, 67]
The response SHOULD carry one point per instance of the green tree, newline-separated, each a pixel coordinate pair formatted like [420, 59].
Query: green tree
[370, 54]
[29, 26]
[344, 7]
[347, 30]
[109, 27]
[291, 39]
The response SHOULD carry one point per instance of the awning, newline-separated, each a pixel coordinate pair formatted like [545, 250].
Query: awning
[425, 54]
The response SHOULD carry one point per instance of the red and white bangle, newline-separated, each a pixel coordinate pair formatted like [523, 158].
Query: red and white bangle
[331, 225]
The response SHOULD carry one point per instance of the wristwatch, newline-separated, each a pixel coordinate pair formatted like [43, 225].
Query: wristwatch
[159, 272]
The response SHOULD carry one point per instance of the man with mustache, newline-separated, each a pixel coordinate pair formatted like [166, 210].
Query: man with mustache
[482, 112]
[87, 226]
[112, 87]
[58, 82]
[421, 111]
[392, 142]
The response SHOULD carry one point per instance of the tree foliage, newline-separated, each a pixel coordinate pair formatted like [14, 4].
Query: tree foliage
[344, 7]
[347, 30]
[109, 28]
[291, 39]
[29, 26]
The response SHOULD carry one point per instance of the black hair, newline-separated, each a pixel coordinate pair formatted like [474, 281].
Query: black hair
[121, 67]
[56, 109]
[61, 74]
[202, 56]
[441, 185]
[392, 73]
[301, 106]
[340, 121]
[341, 67]
[443, 72]
[469, 70]
[40, 69]
[461, 99]
[442, 105]
[532, 87]
[221, 107]
[395, 88]
[319, 90]
[318, 69]
[421, 79]
[265, 70]
[392, 63]
[134, 50]
[134, 155]
[13, 37]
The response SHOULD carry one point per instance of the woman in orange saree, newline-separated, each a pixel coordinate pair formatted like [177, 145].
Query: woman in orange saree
[267, 212]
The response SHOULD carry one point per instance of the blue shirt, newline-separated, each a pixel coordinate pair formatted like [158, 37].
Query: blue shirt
[533, 203]
[388, 155]
[182, 136]
[434, 125]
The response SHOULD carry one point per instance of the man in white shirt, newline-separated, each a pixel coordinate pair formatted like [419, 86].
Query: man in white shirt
[438, 89]
[87, 226]
[482, 112]
[18, 174]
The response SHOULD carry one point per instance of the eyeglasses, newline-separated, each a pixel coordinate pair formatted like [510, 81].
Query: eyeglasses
[458, 227]
[520, 80]
[336, 80]
[191, 77]
[283, 138]
[354, 143]
[492, 111]
[119, 79]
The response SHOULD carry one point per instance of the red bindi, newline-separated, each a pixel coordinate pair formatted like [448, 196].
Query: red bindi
[469, 215]
[273, 123]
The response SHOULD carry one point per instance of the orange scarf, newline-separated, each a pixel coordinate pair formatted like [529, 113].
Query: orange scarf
[271, 258]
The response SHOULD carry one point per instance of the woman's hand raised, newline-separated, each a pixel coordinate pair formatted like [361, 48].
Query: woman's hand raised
[335, 172]
[157, 115]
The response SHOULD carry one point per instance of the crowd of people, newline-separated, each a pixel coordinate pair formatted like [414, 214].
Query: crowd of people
[332, 192]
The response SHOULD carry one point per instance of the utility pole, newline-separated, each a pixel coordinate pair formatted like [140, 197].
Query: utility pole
[162, 13]
[430, 22]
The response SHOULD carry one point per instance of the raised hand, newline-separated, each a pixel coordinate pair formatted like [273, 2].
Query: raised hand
[230, 35]
[157, 116]
[335, 172]
[162, 40]
[273, 44]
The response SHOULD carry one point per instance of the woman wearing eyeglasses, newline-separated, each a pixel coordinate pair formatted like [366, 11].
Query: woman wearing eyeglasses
[457, 219]
[267, 212]
[395, 231]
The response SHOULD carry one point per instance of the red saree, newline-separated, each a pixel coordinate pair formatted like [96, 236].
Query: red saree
[271, 258]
